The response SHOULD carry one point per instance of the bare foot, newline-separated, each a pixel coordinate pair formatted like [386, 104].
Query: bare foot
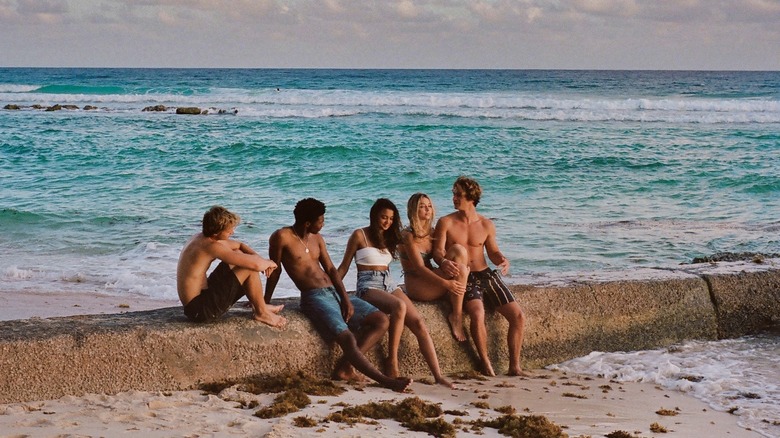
[519, 372]
[399, 384]
[346, 372]
[276, 308]
[271, 318]
[445, 383]
[391, 368]
[487, 369]
[456, 325]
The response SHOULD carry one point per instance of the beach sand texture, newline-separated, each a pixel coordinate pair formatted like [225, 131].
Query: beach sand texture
[154, 360]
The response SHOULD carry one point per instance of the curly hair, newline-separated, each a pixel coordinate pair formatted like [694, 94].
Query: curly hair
[308, 210]
[471, 189]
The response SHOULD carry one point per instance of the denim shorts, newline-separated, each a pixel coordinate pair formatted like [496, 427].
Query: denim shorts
[381, 280]
[322, 307]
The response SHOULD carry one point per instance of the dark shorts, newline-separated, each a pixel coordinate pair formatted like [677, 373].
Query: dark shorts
[488, 286]
[222, 292]
[322, 307]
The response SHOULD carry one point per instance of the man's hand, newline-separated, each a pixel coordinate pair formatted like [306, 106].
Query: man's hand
[504, 266]
[346, 309]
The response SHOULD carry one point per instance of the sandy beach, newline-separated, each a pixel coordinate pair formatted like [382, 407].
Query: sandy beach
[578, 405]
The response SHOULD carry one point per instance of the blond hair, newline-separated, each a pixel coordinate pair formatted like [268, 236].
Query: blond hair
[417, 226]
[218, 219]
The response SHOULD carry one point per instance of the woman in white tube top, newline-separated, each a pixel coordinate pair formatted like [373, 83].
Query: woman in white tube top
[374, 248]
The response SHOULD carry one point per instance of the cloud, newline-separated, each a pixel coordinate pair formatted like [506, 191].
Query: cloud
[398, 33]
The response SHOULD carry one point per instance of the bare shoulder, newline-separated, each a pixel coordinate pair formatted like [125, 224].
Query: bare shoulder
[447, 219]
[486, 222]
[280, 235]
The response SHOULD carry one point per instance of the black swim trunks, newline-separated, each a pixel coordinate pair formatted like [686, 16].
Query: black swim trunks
[488, 286]
[222, 292]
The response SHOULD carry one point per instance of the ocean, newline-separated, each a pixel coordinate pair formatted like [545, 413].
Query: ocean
[581, 170]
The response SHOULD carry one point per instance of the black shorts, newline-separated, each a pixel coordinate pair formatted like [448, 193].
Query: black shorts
[222, 292]
[488, 286]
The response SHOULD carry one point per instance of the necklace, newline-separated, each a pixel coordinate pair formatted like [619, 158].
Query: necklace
[305, 245]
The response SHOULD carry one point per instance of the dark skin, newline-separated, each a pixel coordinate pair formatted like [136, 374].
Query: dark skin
[301, 250]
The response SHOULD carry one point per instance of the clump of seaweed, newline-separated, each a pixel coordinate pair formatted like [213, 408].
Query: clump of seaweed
[508, 409]
[264, 384]
[285, 403]
[657, 428]
[619, 434]
[413, 413]
[469, 375]
[304, 421]
[666, 412]
[573, 395]
[528, 426]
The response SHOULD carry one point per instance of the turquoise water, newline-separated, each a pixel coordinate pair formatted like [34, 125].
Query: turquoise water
[581, 170]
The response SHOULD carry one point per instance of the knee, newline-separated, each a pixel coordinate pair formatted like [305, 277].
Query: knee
[346, 340]
[459, 254]
[416, 325]
[399, 309]
[377, 320]
[476, 313]
[517, 317]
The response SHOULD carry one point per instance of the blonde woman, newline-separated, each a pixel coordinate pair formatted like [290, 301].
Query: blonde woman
[373, 248]
[423, 281]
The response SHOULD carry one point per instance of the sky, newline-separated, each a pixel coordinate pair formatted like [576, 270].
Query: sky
[502, 34]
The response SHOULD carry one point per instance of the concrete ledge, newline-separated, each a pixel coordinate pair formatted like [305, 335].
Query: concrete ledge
[159, 350]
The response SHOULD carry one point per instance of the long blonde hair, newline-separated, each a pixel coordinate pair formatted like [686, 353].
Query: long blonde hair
[416, 226]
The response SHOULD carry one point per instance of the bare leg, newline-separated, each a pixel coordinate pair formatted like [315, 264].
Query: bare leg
[353, 353]
[516, 318]
[372, 329]
[476, 311]
[396, 310]
[459, 255]
[253, 287]
[417, 327]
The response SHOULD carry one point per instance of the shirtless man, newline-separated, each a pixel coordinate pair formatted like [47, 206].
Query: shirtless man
[238, 273]
[300, 249]
[478, 234]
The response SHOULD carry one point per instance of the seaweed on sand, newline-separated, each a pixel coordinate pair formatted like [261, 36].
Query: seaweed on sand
[413, 413]
[261, 384]
[285, 403]
[526, 426]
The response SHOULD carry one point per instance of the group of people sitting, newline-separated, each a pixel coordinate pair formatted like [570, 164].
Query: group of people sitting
[448, 260]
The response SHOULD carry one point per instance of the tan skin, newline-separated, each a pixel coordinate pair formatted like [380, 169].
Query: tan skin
[396, 304]
[197, 256]
[314, 270]
[426, 283]
[478, 235]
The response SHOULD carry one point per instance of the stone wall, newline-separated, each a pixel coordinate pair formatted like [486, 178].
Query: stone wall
[566, 318]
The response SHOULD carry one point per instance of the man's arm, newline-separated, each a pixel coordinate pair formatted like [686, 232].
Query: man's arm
[327, 265]
[229, 252]
[493, 253]
[349, 253]
[275, 254]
